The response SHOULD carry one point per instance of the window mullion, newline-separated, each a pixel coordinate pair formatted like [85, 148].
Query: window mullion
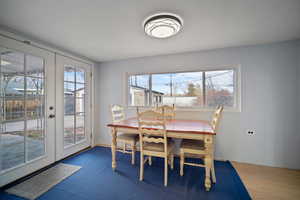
[150, 89]
[204, 89]
[75, 85]
[25, 110]
[171, 85]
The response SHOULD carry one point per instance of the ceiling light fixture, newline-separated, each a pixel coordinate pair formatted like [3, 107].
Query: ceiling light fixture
[162, 25]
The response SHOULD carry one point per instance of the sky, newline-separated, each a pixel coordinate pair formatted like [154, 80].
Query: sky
[69, 76]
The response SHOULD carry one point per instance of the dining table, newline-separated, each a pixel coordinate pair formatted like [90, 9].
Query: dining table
[176, 128]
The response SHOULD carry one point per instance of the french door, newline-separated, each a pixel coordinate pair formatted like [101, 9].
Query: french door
[73, 103]
[27, 99]
[45, 108]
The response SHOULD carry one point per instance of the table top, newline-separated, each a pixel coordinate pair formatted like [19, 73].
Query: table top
[174, 125]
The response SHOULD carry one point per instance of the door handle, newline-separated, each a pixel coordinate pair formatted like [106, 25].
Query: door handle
[51, 116]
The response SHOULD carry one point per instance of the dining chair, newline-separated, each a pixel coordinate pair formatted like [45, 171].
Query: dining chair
[154, 141]
[196, 148]
[169, 111]
[118, 115]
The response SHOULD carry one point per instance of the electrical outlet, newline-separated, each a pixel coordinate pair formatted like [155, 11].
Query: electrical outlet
[251, 132]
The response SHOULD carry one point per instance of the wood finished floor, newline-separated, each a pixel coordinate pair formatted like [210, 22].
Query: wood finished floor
[269, 182]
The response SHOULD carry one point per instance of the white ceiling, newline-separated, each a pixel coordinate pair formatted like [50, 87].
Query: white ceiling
[112, 29]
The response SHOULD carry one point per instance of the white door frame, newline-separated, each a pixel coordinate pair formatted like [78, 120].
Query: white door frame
[49, 60]
[61, 62]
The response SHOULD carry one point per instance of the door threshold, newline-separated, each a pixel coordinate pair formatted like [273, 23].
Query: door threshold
[41, 170]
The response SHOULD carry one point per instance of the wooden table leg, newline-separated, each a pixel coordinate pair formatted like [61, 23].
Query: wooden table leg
[113, 148]
[208, 142]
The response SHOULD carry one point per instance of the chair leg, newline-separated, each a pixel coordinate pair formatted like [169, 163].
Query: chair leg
[172, 161]
[150, 160]
[124, 147]
[181, 162]
[166, 172]
[142, 167]
[133, 154]
[213, 174]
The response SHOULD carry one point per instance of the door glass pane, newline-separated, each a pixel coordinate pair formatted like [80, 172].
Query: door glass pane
[13, 85]
[12, 144]
[34, 107]
[79, 90]
[13, 108]
[69, 74]
[35, 127]
[80, 105]
[35, 86]
[80, 75]
[80, 127]
[69, 134]
[69, 105]
[69, 88]
[22, 108]
[35, 140]
[34, 66]
[12, 62]
[74, 105]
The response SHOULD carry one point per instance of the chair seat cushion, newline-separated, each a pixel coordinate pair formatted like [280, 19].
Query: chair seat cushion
[127, 137]
[159, 147]
[192, 144]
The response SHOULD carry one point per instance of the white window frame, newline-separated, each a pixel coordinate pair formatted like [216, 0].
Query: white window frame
[237, 87]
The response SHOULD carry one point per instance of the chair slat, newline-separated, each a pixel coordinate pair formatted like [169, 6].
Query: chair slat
[169, 111]
[153, 139]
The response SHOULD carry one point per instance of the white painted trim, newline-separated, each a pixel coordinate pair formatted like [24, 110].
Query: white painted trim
[92, 110]
[193, 69]
[18, 42]
[23, 164]
[23, 39]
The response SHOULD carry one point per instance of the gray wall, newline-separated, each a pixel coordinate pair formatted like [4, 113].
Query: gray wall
[269, 84]
[298, 102]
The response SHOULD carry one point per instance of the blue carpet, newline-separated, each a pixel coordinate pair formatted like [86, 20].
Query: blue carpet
[96, 180]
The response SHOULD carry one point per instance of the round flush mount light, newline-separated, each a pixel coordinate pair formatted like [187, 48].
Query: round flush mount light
[162, 25]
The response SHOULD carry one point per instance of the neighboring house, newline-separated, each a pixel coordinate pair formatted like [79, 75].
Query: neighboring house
[139, 96]
[71, 103]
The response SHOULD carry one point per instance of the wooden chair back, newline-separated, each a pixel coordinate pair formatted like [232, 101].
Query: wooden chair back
[169, 111]
[216, 118]
[152, 128]
[117, 112]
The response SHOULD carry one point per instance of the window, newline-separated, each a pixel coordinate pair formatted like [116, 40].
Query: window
[201, 89]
